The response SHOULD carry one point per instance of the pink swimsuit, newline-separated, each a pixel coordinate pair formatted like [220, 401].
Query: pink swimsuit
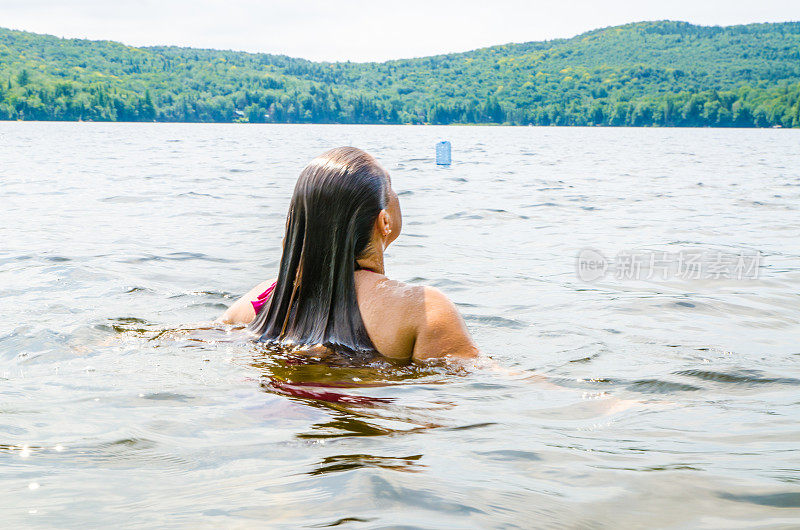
[262, 298]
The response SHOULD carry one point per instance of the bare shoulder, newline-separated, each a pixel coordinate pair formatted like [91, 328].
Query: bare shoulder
[384, 295]
[441, 330]
[388, 309]
[412, 320]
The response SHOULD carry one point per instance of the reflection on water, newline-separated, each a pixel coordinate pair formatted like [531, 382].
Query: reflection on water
[620, 402]
[338, 463]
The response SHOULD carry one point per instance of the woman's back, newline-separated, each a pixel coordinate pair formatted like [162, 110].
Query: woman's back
[410, 322]
[331, 289]
[403, 321]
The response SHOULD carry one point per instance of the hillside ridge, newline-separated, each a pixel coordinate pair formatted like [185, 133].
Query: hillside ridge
[663, 73]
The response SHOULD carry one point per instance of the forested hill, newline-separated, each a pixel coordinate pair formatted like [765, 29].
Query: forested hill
[649, 73]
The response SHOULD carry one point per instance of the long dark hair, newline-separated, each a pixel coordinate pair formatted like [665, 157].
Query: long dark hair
[336, 201]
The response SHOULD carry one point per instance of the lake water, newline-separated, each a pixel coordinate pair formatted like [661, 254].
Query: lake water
[669, 353]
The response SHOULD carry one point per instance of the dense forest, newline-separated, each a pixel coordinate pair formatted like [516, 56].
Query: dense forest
[644, 74]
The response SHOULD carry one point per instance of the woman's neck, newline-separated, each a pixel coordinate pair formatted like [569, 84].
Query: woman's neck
[372, 262]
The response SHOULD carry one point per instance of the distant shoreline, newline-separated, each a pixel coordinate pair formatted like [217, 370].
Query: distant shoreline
[661, 73]
[400, 125]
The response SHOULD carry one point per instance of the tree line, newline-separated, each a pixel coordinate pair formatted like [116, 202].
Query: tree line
[645, 74]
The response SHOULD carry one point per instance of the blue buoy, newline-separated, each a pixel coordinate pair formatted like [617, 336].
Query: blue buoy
[443, 153]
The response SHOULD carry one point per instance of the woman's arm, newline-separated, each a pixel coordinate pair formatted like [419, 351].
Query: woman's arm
[441, 330]
[242, 312]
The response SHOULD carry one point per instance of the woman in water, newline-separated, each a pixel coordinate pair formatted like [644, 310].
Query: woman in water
[331, 291]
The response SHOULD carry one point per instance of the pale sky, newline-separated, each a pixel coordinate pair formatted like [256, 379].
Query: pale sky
[362, 30]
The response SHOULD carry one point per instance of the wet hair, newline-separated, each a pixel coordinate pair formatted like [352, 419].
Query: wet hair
[336, 201]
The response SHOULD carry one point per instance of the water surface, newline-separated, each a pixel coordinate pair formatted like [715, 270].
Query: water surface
[667, 401]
